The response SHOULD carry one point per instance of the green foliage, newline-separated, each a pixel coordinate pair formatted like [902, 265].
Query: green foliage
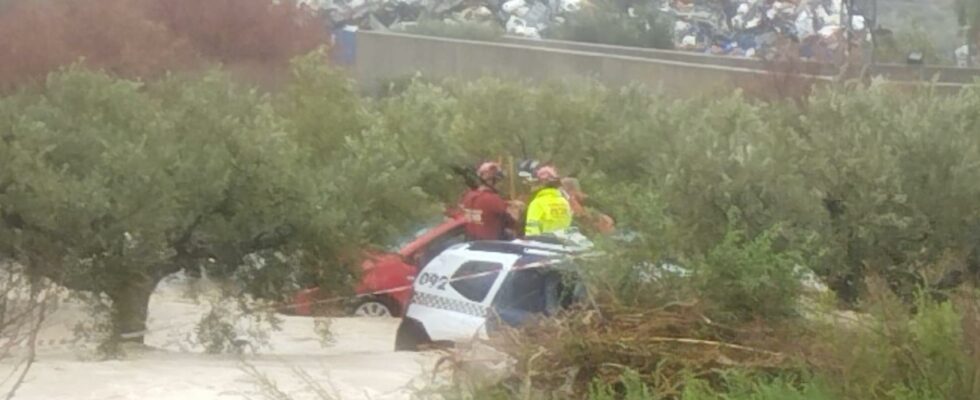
[934, 327]
[120, 183]
[461, 123]
[321, 107]
[732, 155]
[466, 30]
[743, 386]
[362, 174]
[841, 176]
[109, 185]
[417, 121]
[631, 387]
[232, 326]
[625, 273]
[217, 335]
[381, 186]
[893, 353]
[605, 24]
[968, 15]
[734, 385]
[895, 48]
[748, 279]
[852, 183]
[895, 176]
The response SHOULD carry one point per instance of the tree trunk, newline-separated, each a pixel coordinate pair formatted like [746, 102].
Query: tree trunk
[130, 305]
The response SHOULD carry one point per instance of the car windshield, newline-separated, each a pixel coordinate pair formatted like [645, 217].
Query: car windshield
[419, 230]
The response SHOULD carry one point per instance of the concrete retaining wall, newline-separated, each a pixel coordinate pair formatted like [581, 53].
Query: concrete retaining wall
[671, 55]
[385, 56]
[890, 71]
[382, 56]
[928, 73]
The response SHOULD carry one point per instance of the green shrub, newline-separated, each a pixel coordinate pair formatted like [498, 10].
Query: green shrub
[321, 106]
[853, 182]
[629, 387]
[734, 385]
[738, 385]
[418, 120]
[746, 279]
[604, 24]
[896, 175]
[913, 37]
[629, 273]
[894, 353]
[859, 180]
[124, 183]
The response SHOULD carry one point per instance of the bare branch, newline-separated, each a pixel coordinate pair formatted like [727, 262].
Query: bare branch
[267, 387]
[714, 344]
[31, 353]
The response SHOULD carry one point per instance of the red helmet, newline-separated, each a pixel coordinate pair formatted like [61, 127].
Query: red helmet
[546, 173]
[489, 171]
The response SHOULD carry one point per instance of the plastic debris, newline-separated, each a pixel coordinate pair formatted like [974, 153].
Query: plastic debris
[745, 28]
[857, 23]
[537, 16]
[571, 6]
[689, 41]
[829, 31]
[512, 6]
[518, 26]
[764, 28]
[962, 54]
[804, 24]
[915, 58]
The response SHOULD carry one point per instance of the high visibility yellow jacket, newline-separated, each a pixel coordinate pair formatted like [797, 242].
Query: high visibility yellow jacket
[549, 211]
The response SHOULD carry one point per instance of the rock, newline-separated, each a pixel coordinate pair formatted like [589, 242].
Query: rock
[511, 6]
[570, 6]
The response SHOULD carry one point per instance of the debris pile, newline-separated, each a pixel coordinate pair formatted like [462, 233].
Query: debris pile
[566, 354]
[759, 27]
[525, 18]
[725, 27]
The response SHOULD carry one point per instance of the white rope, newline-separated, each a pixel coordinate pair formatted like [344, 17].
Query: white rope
[175, 325]
[534, 265]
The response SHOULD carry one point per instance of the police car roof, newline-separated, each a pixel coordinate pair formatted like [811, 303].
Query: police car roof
[520, 247]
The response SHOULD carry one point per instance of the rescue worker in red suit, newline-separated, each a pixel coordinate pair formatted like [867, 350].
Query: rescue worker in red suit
[486, 213]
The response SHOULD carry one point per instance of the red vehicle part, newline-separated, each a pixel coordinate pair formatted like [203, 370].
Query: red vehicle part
[392, 273]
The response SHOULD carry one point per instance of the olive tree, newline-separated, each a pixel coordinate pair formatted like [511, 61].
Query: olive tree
[110, 185]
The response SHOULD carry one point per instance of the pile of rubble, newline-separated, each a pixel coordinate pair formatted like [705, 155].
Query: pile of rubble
[759, 27]
[729, 27]
[525, 18]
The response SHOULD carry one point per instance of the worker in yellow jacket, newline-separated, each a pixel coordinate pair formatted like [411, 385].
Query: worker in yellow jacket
[549, 210]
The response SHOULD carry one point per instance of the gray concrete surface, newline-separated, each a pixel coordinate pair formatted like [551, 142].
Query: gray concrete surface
[948, 74]
[670, 55]
[383, 56]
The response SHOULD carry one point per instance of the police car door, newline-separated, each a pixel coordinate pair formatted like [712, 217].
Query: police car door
[454, 291]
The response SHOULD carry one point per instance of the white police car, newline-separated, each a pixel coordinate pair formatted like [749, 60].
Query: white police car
[468, 288]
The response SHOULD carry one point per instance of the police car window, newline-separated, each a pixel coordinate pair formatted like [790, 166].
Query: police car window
[474, 279]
